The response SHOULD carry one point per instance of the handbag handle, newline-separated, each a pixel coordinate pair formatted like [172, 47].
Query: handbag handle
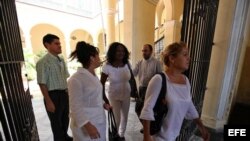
[133, 78]
[111, 121]
[129, 67]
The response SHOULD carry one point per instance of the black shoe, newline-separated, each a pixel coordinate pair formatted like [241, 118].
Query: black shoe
[68, 138]
[141, 131]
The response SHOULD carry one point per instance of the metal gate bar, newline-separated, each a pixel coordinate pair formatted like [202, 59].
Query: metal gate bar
[17, 116]
[198, 26]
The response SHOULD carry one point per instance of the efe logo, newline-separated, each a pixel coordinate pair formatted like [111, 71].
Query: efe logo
[236, 132]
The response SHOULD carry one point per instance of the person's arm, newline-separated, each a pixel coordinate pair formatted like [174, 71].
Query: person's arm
[204, 133]
[136, 69]
[146, 130]
[192, 114]
[48, 102]
[42, 79]
[147, 113]
[103, 81]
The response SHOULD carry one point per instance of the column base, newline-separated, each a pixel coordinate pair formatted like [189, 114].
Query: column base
[211, 122]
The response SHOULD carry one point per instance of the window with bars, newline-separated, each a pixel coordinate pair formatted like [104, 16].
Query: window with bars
[159, 46]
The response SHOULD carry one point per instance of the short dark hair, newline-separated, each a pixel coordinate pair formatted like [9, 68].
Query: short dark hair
[83, 52]
[112, 51]
[48, 38]
[150, 47]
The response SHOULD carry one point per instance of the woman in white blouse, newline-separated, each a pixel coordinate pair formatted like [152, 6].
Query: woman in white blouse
[88, 119]
[117, 71]
[178, 96]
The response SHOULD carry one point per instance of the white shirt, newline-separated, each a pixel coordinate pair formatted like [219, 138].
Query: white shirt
[146, 69]
[85, 99]
[119, 87]
[180, 106]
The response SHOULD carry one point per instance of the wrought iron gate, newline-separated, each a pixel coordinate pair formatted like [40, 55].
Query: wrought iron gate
[17, 120]
[198, 26]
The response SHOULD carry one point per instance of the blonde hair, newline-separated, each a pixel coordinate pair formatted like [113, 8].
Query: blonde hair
[172, 50]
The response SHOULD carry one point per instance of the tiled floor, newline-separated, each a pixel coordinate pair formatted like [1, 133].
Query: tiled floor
[133, 126]
[45, 133]
[132, 132]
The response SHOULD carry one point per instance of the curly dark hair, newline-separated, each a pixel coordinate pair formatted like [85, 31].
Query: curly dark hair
[112, 52]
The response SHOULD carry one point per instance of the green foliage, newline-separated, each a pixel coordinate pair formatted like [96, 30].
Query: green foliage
[29, 63]
[72, 66]
[40, 55]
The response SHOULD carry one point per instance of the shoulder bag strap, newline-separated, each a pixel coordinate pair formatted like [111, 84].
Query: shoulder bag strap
[163, 86]
[163, 91]
[131, 72]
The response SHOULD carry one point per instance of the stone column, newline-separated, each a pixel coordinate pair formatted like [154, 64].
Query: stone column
[139, 26]
[67, 47]
[109, 20]
[172, 31]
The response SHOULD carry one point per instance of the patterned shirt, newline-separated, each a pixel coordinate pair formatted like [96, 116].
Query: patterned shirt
[52, 71]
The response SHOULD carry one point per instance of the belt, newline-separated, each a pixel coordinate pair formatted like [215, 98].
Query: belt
[53, 91]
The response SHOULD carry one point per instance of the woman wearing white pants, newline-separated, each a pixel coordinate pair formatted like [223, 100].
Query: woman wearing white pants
[117, 72]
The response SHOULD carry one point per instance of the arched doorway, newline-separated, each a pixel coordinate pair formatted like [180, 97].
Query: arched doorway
[80, 35]
[38, 31]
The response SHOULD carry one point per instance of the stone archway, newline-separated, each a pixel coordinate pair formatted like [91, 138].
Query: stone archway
[38, 31]
[168, 14]
[80, 35]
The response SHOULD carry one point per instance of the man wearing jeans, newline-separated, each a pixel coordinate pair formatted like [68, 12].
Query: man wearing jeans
[145, 69]
[52, 76]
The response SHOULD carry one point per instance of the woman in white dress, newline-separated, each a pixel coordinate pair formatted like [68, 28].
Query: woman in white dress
[117, 71]
[178, 97]
[88, 121]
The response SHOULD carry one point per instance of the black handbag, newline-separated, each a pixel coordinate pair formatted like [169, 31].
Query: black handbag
[160, 109]
[138, 105]
[132, 82]
[139, 102]
[112, 128]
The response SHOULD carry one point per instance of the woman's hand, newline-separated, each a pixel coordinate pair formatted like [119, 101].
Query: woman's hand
[92, 131]
[107, 106]
[146, 130]
[204, 133]
[147, 138]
